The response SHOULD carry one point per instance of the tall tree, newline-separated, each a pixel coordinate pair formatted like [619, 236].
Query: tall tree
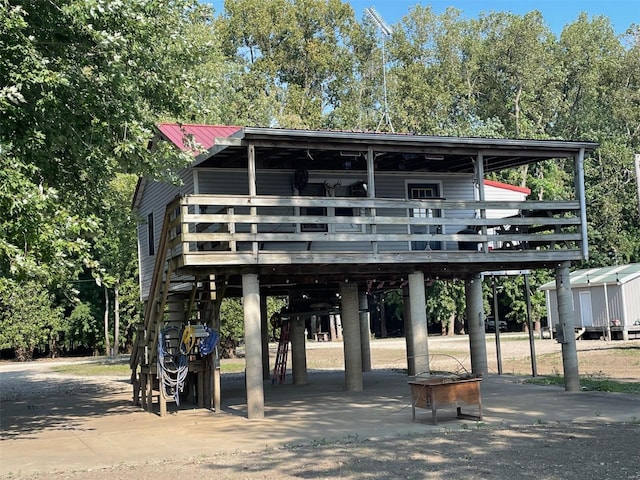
[82, 85]
[295, 51]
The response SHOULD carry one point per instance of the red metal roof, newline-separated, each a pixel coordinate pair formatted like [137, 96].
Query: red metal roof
[204, 135]
[506, 186]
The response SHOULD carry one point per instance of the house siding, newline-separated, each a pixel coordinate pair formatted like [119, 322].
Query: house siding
[214, 181]
[154, 200]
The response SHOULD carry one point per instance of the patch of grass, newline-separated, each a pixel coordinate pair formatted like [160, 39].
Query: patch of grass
[94, 369]
[232, 367]
[110, 369]
[592, 384]
[632, 351]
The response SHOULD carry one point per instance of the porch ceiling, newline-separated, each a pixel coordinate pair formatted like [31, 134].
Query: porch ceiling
[284, 279]
[325, 150]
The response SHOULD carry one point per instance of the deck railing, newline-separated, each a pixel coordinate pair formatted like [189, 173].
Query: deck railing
[238, 229]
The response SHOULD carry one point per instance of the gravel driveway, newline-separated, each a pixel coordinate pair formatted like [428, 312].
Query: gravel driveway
[468, 451]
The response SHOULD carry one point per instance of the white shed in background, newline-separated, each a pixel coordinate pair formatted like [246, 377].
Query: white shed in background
[606, 301]
[499, 191]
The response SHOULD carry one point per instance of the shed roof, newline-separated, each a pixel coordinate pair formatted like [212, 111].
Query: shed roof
[616, 275]
[506, 186]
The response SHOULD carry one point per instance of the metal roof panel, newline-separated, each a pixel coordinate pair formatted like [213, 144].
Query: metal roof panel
[615, 275]
[203, 135]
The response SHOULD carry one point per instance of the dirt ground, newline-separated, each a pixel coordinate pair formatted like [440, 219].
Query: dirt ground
[541, 452]
[615, 360]
[473, 451]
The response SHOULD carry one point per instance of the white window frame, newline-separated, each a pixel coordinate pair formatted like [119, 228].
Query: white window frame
[423, 213]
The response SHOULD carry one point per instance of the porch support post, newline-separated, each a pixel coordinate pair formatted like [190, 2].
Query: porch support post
[351, 332]
[580, 193]
[298, 351]
[253, 191]
[332, 327]
[475, 320]
[371, 191]
[566, 326]
[479, 171]
[418, 321]
[408, 336]
[253, 342]
[264, 329]
[365, 332]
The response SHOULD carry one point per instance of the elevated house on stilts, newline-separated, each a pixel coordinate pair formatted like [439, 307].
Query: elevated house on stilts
[317, 215]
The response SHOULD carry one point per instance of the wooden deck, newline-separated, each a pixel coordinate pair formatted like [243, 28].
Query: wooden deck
[224, 232]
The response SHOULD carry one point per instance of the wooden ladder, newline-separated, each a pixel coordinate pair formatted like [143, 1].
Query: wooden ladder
[280, 369]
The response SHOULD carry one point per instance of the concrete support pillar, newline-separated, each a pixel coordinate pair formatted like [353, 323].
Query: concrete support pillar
[418, 337]
[298, 351]
[253, 345]
[264, 332]
[365, 332]
[475, 320]
[313, 326]
[332, 327]
[408, 336]
[566, 328]
[351, 342]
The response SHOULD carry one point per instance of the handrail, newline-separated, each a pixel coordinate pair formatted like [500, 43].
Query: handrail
[235, 223]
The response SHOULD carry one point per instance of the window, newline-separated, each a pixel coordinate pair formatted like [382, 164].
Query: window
[416, 191]
[150, 234]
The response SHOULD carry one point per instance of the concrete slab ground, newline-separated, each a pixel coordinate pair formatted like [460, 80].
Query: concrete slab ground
[92, 431]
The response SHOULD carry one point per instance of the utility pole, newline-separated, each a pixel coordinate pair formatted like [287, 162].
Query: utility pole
[637, 162]
[385, 30]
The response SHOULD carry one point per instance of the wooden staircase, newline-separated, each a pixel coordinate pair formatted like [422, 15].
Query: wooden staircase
[165, 311]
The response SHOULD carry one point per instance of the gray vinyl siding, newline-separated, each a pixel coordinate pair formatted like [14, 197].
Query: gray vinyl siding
[235, 182]
[155, 198]
[459, 187]
[220, 182]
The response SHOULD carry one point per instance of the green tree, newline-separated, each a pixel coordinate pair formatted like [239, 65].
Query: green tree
[82, 85]
[232, 322]
[294, 51]
[512, 297]
[29, 318]
[116, 250]
[80, 328]
[445, 304]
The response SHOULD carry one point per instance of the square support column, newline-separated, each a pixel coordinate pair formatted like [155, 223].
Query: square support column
[298, 351]
[365, 332]
[351, 341]
[266, 371]
[417, 335]
[253, 343]
[475, 322]
[566, 328]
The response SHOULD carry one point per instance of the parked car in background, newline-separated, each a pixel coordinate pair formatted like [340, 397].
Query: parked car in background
[490, 325]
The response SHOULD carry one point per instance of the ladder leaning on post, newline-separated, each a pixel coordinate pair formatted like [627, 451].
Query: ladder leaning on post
[280, 369]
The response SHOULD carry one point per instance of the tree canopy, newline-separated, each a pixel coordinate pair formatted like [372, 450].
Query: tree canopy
[83, 82]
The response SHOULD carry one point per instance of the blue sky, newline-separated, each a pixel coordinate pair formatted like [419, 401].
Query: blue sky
[556, 13]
